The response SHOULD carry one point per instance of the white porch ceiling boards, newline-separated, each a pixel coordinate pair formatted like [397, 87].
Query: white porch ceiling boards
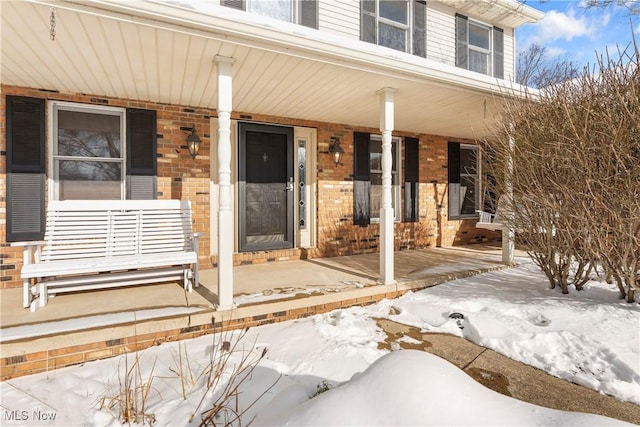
[103, 49]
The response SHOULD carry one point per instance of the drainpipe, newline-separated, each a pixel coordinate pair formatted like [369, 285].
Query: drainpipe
[225, 210]
[387, 216]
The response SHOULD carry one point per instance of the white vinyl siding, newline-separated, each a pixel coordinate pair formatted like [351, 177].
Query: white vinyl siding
[441, 42]
[509, 50]
[340, 17]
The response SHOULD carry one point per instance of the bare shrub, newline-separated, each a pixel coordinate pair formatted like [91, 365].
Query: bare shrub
[570, 155]
[224, 375]
[130, 401]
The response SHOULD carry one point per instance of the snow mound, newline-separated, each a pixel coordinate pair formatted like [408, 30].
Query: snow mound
[411, 387]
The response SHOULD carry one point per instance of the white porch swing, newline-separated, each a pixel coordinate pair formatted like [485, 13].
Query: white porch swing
[492, 221]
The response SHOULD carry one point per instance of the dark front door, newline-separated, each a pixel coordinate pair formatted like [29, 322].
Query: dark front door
[266, 187]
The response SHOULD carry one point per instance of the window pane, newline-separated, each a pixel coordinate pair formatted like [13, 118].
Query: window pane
[88, 134]
[468, 195]
[278, 9]
[368, 28]
[369, 5]
[393, 37]
[479, 36]
[376, 195]
[478, 62]
[302, 173]
[395, 10]
[468, 161]
[90, 180]
[375, 155]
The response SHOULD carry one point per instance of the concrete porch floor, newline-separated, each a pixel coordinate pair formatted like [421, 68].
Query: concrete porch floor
[262, 293]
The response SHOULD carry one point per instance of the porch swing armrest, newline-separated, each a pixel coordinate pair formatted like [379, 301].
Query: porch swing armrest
[31, 251]
[485, 216]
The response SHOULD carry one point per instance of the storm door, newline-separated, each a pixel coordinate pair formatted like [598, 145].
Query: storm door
[265, 172]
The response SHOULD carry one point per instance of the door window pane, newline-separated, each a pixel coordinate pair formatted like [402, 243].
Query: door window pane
[302, 179]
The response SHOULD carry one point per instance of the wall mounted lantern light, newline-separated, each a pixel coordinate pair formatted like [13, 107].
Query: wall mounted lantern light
[336, 150]
[193, 142]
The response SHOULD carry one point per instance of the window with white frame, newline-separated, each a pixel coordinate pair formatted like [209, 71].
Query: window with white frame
[479, 47]
[367, 178]
[396, 24]
[303, 12]
[375, 162]
[463, 171]
[88, 152]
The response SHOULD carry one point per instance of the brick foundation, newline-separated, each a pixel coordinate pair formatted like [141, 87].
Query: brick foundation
[43, 361]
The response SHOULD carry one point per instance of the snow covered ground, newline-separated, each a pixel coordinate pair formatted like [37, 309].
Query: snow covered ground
[590, 337]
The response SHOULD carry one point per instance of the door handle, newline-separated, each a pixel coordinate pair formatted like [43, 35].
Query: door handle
[289, 186]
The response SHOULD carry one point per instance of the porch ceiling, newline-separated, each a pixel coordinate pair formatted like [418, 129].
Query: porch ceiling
[150, 51]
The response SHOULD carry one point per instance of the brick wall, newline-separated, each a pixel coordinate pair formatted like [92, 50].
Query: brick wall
[180, 177]
[337, 235]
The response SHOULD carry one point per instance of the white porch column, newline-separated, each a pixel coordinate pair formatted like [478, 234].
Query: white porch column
[387, 216]
[225, 208]
[508, 234]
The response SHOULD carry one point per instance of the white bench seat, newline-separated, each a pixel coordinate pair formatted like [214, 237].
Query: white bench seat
[101, 265]
[98, 244]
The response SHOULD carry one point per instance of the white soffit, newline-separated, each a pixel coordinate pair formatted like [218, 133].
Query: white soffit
[120, 52]
[507, 13]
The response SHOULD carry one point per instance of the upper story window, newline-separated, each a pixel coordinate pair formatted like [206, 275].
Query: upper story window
[303, 12]
[479, 47]
[397, 24]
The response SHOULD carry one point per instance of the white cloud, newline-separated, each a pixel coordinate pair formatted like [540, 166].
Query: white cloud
[555, 52]
[562, 25]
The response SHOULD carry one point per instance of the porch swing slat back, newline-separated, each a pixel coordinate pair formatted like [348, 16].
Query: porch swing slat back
[135, 241]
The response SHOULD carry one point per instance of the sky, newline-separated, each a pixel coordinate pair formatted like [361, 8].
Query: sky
[569, 31]
[590, 338]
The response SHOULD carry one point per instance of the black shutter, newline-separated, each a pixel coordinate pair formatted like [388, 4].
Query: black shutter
[453, 169]
[453, 162]
[361, 179]
[25, 123]
[236, 4]
[411, 179]
[141, 154]
[368, 32]
[420, 28]
[462, 42]
[309, 13]
[498, 53]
